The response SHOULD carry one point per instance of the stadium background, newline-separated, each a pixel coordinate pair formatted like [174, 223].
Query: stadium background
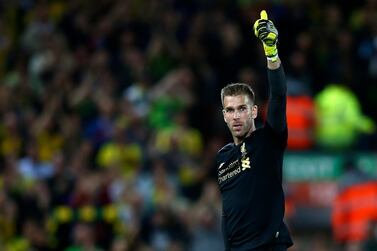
[110, 117]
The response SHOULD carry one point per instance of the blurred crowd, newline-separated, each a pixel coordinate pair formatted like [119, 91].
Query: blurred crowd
[110, 111]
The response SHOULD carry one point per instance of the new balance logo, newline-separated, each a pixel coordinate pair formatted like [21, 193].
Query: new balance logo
[221, 165]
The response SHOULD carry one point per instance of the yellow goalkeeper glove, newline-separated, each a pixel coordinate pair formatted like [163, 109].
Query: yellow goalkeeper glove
[266, 31]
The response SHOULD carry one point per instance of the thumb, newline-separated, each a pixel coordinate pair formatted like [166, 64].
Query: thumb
[263, 15]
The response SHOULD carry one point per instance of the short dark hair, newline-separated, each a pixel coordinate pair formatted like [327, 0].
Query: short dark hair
[235, 89]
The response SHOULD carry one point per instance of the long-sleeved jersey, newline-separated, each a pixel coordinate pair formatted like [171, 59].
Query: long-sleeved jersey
[250, 179]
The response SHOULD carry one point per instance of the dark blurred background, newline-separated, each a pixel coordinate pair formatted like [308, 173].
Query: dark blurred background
[110, 119]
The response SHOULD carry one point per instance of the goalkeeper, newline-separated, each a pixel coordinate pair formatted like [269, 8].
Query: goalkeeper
[250, 168]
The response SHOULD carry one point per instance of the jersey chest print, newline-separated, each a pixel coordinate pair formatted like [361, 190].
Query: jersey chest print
[234, 168]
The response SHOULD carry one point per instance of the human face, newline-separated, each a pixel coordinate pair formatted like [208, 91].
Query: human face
[239, 114]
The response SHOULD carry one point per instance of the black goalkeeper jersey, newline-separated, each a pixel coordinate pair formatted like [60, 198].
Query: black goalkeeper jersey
[250, 179]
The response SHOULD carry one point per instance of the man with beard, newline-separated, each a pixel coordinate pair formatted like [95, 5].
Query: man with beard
[250, 168]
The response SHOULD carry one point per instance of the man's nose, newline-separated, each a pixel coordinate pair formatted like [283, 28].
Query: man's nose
[237, 114]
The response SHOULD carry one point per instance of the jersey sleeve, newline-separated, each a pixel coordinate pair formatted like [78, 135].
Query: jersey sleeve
[276, 113]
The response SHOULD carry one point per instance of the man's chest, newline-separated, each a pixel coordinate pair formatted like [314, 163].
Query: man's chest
[238, 162]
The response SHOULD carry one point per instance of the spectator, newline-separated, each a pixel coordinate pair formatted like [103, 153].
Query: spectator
[371, 241]
[340, 120]
[354, 208]
[83, 238]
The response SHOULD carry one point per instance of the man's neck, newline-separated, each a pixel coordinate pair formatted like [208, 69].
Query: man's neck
[238, 141]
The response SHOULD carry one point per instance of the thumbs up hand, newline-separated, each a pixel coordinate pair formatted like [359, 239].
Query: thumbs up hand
[266, 31]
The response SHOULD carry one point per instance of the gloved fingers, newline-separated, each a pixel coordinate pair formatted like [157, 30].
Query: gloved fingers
[263, 15]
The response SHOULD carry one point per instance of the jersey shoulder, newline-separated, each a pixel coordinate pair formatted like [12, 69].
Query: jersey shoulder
[280, 138]
[225, 148]
[224, 152]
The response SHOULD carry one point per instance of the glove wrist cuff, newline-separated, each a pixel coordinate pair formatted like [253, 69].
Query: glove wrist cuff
[271, 52]
[273, 58]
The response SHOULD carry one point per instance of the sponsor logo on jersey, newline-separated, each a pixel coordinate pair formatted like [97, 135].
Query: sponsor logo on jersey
[233, 169]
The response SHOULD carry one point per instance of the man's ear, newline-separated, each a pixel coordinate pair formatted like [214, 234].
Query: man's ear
[224, 115]
[254, 111]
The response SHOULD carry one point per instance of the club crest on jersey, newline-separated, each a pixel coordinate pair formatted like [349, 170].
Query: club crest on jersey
[245, 161]
[243, 149]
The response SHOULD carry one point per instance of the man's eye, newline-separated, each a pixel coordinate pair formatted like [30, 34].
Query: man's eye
[243, 109]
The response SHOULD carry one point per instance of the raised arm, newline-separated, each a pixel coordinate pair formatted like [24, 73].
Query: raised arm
[266, 31]
[276, 113]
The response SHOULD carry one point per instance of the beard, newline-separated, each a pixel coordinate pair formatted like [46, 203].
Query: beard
[240, 130]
